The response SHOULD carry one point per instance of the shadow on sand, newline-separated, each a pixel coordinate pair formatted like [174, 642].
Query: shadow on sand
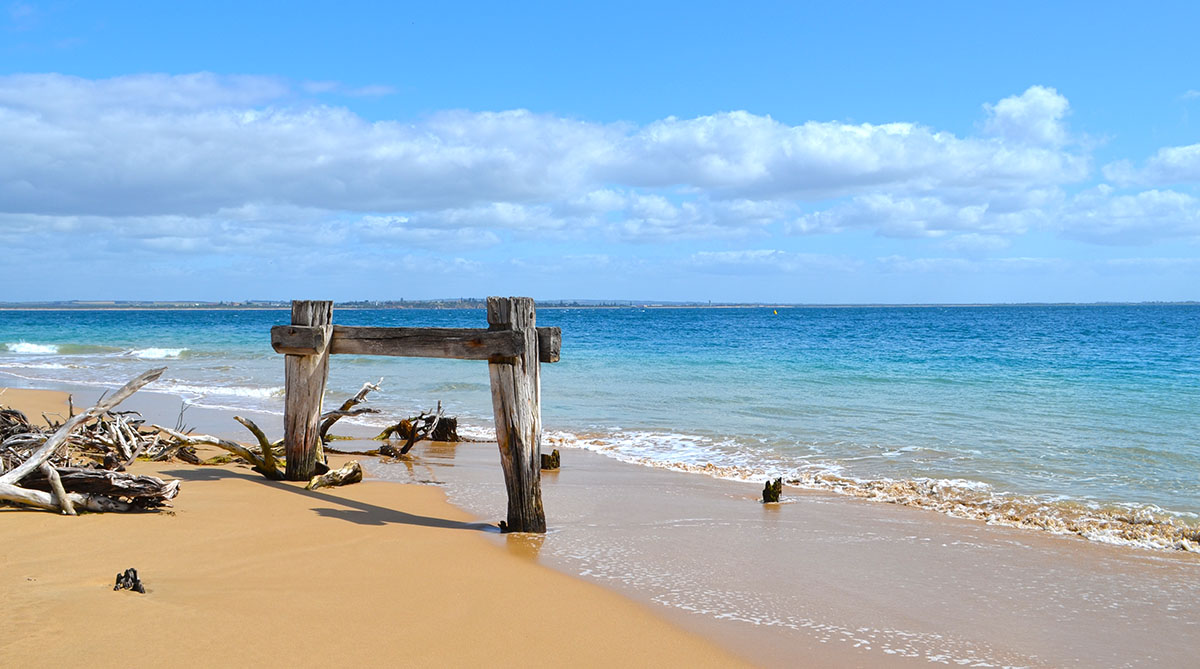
[350, 510]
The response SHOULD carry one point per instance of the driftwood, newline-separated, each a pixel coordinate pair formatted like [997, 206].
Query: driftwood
[144, 491]
[111, 439]
[268, 458]
[32, 477]
[347, 409]
[351, 472]
[262, 460]
[772, 490]
[55, 484]
[551, 460]
[426, 426]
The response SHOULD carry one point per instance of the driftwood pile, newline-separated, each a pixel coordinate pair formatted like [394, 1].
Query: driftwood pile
[79, 463]
[267, 457]
[431, 425]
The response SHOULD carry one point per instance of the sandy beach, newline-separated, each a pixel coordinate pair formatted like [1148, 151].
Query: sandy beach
[640, 565]
[243, 571]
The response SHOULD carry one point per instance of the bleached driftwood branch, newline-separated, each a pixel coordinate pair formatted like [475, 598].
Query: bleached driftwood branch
[351, 472]
[347, 408]
[264, 464]
[154, 491]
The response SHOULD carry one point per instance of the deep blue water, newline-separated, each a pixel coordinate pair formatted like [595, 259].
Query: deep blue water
[1097, 403]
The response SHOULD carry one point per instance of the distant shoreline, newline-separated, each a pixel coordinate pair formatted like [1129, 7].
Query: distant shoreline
[479, 304]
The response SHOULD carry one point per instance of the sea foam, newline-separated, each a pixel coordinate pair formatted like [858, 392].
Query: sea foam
[1140, 526]
[155, 353]
[30, 348]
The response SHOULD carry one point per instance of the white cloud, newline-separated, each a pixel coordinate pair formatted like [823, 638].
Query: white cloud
[193, 144]
[1033, 117]
[251, 167]
[404, 232]
[1100, 216]
[914, 217]
[960, 266]
[744, 155]
[371, 91]
[768, 261]
[974, 243]
[1169, 165]
[1153, 264]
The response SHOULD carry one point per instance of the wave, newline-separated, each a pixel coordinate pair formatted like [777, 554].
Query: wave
[201, 390]
[28, 348]
[37, 365]
[1137, 525]
[155, 353]
[31, 348]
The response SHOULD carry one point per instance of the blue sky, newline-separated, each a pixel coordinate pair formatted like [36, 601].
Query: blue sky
[855, 152]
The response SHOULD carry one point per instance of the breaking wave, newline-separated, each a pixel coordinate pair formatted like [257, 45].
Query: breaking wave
[198, 390]
[155, 353]
[27, 348]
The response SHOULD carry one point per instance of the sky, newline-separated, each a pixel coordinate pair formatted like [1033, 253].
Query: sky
[923, 152]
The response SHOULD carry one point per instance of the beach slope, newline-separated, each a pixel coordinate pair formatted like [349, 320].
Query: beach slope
[247, 571]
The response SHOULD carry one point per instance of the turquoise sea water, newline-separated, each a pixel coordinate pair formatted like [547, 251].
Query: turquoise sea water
[1086, 407]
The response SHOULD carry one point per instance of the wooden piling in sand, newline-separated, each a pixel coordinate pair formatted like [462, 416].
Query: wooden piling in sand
[513, 346]
[304, 384]
[516, 404]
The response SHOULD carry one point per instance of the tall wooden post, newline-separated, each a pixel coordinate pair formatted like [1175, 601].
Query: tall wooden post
[516, 402]
[304, 381]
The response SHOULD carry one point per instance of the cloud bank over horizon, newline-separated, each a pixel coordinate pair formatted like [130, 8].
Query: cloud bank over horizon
[227, 185]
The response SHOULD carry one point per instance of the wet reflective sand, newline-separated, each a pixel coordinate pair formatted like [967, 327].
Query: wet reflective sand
[823, 576]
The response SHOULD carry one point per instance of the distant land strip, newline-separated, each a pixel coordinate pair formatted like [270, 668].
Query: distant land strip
[481, 303]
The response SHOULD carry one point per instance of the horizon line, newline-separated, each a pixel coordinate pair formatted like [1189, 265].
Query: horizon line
[550, 303]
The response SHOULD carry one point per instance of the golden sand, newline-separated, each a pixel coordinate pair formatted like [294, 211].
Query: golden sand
[244, 571]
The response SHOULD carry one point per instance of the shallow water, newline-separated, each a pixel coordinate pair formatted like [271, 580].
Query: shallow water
[1079, 419]
[834, 582]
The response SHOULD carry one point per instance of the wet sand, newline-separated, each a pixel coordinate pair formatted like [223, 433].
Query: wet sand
[245, 571]
[839, 579]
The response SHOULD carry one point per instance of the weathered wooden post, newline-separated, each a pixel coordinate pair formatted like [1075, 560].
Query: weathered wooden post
[304, 384]
[516, 402]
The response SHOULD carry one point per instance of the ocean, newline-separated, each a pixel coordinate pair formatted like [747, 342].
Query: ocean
[1071, 419]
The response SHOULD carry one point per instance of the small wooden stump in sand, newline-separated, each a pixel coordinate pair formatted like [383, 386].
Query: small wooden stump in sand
[351, 472]
[772, 490]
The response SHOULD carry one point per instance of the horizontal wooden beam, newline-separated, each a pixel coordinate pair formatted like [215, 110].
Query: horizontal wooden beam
[298, 339]
[455, 343]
